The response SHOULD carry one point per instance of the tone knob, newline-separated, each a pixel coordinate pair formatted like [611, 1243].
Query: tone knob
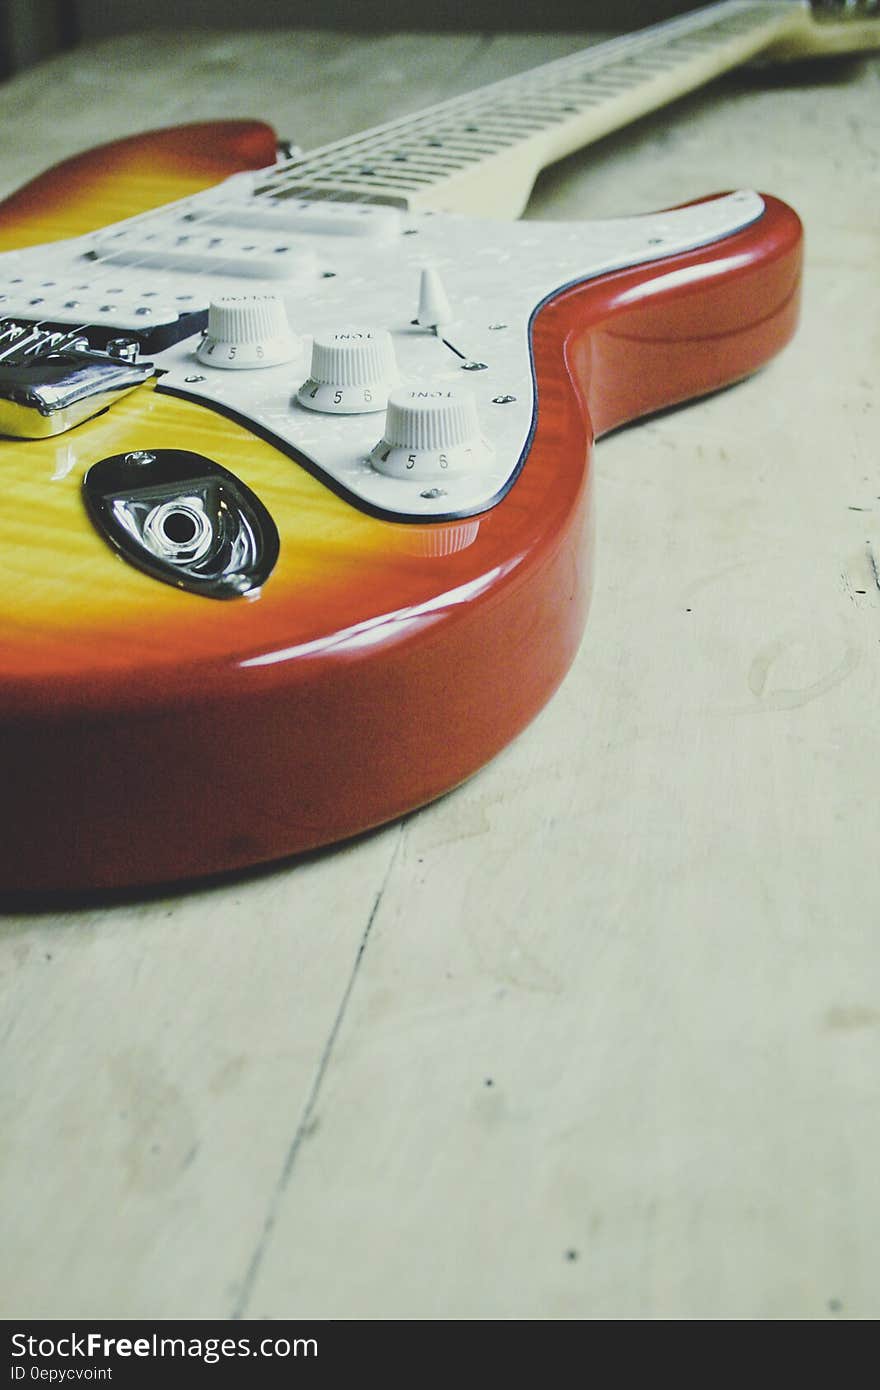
[246, 331]
[352, 372]
[430, 434]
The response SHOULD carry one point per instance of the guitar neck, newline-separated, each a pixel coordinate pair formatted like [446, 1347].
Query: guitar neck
[481, 153]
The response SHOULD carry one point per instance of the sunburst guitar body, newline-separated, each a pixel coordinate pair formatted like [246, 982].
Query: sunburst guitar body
[427, 576]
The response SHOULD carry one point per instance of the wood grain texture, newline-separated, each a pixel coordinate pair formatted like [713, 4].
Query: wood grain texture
[650, 924]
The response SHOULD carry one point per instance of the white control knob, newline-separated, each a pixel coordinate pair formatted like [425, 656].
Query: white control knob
[352, 372]
[245, 331]
[430, 434]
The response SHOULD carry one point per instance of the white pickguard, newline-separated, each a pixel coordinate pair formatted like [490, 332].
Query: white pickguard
[361, 275]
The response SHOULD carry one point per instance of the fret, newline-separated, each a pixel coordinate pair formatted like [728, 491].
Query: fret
[481, 147]
[420, 162]
[662, 63]
[445, 152]
[443, 137]
[505, 126]
[385, 177]
[528, 107]
[616, 80]
[546, 111]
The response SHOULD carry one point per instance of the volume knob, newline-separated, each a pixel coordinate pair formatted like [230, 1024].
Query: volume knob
[429, 434]
[352, 372]
[247, 330]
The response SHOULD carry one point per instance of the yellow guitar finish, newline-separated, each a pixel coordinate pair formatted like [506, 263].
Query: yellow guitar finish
[69, 604]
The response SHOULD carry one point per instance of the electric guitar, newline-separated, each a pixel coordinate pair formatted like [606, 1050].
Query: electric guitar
[295, 499]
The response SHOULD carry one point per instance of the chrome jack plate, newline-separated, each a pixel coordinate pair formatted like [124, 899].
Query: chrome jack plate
[183, 519]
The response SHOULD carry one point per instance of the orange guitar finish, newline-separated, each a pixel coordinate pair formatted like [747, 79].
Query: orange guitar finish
[115, 181]
[149, 735]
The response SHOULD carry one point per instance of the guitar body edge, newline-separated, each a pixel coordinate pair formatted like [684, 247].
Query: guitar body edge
[129, 176]
[438, 644]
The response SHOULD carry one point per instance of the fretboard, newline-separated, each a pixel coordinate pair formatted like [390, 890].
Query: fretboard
[480, 153]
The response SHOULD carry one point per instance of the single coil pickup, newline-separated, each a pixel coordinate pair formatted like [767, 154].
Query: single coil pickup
[255, 256]
[326, 218]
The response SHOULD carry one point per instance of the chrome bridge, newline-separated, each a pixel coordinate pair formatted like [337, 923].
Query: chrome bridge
[52, 379]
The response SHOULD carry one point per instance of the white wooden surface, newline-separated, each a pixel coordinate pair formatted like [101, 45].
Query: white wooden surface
[598, 1035]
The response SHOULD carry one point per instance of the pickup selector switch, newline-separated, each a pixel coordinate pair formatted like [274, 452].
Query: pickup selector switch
[430, 434]
[352, 372]
[246, 331]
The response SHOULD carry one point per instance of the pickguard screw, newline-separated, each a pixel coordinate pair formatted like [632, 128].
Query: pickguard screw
[474, 366]
[494, 327]
[502, 400]
[432, 492]
[195, 378]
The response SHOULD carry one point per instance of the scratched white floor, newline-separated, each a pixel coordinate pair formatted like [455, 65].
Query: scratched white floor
[597, 1036]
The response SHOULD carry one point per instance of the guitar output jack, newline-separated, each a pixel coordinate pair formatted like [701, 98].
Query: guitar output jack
[178, 530]
[184, 519]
